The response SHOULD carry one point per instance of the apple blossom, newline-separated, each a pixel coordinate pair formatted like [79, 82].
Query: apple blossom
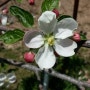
[54, 36]
[7, 79]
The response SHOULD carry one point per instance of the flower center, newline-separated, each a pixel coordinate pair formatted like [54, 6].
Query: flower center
[50, 40]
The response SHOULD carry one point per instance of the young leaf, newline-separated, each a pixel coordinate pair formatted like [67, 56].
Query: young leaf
[23, 16]
[11, 37]
[49, 5]
[83, 36]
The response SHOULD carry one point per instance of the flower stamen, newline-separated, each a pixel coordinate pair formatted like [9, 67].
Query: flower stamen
[50, 40]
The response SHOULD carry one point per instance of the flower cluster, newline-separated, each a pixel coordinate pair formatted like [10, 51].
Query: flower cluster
[53, 37]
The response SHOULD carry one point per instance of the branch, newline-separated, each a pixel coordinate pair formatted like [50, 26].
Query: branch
[3, 28]
[86, 44]
[19, 64]
[68, 78]
[51, 72]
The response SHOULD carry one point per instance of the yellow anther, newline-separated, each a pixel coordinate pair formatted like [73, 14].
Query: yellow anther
[51, 40]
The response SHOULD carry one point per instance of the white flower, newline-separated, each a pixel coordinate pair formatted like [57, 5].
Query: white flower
[54, 37]
[7, 79]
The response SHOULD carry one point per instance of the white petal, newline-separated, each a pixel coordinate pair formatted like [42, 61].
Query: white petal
[67, 23]
[47, 22]
[33, 39]
[45, 57]
[1, 83]
[11, 77]
[63, 33]
[2, 77]
[4, 20]
[65, 47]
[12, 80]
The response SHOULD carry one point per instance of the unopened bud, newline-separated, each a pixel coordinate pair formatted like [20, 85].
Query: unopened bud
[76, 37]
[56, 12]
[31, 2]
[5, 11]
[29, 57]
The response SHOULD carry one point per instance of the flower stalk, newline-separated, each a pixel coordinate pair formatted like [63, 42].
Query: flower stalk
[45, 81]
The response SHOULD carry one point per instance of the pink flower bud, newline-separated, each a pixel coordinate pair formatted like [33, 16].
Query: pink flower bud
[29, 57]
[31, 2]
[5, 11]
[56, 12]
[76, 37]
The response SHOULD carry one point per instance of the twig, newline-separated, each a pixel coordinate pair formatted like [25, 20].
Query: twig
[86, 44]
[68, 78]
[51, 72]
[3, 28]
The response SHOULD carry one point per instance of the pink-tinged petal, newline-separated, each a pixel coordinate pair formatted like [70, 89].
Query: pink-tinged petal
[47, 22]
[67, 23]
[45, 57]
[65, 47]
[33, 39]
[63, 33]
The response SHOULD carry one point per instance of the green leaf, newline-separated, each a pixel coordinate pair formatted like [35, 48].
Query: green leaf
[23, 16]
[13, 36]
[83, 36]
[63, 16]
[49, 5]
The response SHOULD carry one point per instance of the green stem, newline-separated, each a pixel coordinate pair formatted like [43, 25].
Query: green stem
[46, 81]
